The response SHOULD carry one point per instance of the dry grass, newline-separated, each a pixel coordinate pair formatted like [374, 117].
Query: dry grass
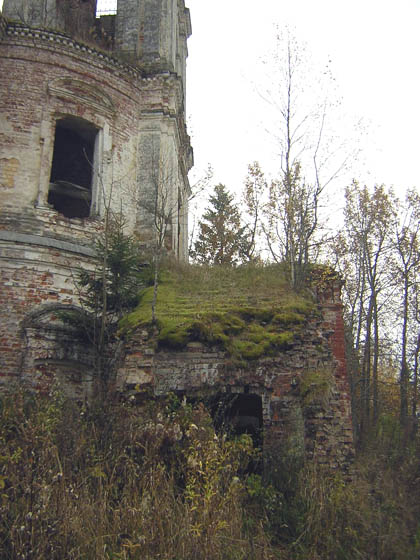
[115, 481]
[118, 482]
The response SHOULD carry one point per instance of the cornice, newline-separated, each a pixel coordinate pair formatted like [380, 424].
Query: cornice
[51, 243]
[47, 37]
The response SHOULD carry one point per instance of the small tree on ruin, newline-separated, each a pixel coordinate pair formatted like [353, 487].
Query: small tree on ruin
[221, 236]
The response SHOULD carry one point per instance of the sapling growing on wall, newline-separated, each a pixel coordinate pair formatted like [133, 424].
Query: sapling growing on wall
[107, 292]
[111, 288]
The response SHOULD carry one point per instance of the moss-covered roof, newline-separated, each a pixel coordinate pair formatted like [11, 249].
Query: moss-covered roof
[248, 311]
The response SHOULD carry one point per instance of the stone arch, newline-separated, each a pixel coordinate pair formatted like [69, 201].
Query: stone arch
[54, 351]
[72, 90]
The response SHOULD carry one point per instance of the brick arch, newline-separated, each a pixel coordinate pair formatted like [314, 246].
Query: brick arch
[73, 90]
[54, 352]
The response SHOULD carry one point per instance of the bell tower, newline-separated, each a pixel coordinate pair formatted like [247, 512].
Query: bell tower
[153, 33]
[75, 17]
[92, 112]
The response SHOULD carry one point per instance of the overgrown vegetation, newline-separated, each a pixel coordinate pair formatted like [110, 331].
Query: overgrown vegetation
[119, 481]
[106, 293]
[220, 305]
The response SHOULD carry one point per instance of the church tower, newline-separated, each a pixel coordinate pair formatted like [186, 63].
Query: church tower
[92, 116]
[70, 16]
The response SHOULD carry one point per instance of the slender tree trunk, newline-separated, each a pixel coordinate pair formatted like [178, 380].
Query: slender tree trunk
[404, 373]
[375, 359]
[360, 314]
[155, 284]
[415, 380]
[366, 372]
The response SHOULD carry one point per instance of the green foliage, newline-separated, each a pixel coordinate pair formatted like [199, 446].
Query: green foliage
[221, 237]
[119, 275]
[316, 386]
[220, 306]
[106, 293]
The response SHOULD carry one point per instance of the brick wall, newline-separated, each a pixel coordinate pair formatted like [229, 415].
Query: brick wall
[205, 371]
[45, 76]
[31, 278]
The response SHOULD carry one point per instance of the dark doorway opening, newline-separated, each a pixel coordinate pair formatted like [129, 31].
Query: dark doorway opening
[70, 191]
[240, 414]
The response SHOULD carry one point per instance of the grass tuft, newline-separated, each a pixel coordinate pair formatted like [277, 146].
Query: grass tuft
[248, 311]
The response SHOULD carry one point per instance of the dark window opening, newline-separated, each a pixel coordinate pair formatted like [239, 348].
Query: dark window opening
[234, 415]
[244, 412]
[105, 29]
[70, 191]
[240, 414]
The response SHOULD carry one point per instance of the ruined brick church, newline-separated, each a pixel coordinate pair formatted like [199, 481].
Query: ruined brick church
[92, 114]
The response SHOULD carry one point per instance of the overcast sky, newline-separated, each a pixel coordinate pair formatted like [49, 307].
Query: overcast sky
[372, 48]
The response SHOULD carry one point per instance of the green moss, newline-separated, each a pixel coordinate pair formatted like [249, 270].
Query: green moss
[246, 349]
[316, 387]
[288, 318]
[174, 334]
[284, 339]
[247, 311]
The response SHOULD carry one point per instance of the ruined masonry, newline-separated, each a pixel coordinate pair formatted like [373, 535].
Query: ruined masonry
[92, 113]
[266, 396]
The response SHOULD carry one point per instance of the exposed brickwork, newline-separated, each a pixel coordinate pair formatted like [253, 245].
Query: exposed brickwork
[46, 75]
[32, 278]
[136, 114]
[204, 371]
[50, 70]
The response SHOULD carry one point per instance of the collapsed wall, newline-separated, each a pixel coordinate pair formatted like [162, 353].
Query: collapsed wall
[298, 398]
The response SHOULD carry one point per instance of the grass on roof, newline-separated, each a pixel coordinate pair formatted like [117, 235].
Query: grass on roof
[247, 311]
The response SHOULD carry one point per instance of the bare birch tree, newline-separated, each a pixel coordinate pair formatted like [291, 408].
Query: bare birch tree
[308, 164]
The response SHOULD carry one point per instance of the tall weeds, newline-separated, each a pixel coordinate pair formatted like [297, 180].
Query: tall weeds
[118, 480]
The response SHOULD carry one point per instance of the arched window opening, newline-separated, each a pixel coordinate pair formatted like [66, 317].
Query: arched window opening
[70, 191]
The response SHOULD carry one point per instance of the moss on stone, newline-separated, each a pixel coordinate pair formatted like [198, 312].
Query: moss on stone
[316, 387]
[288, 318]
[247, 311]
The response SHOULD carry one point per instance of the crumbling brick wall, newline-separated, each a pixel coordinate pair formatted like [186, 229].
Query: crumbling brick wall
[202, 371]
[47, 77]
[32, 278]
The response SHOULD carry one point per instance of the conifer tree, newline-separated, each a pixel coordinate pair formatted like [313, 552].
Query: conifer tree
[221, 236]
[107, 292]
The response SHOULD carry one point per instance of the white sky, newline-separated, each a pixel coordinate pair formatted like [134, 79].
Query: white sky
[373, 46]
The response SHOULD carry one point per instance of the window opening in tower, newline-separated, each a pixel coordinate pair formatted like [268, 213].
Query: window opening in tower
[70, 191]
